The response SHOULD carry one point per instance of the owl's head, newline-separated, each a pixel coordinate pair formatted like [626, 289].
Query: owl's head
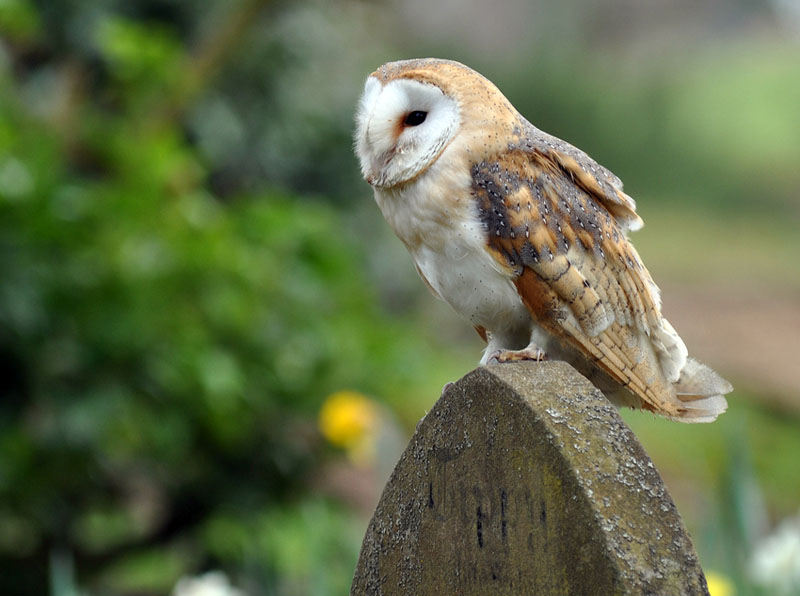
[411, 110]
[404, 121]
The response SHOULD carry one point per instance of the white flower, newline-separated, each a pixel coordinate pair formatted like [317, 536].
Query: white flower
[775, 562]
[212, 583]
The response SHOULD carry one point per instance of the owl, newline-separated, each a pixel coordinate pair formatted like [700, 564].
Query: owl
[524, 235]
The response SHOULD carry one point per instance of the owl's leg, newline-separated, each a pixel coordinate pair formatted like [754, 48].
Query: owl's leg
[531, 352]
[496, 353]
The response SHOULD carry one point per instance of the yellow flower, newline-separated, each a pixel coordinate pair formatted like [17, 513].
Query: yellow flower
[719, 585]
[348, 419]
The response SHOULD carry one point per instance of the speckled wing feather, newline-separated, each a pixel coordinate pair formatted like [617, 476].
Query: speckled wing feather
[557, 221]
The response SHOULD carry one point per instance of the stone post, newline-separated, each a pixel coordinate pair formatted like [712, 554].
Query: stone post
[523, 479]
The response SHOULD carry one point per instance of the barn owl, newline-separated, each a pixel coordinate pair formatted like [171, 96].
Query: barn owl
[523, 235]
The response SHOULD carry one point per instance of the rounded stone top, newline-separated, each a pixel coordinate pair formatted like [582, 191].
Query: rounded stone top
[523, 479]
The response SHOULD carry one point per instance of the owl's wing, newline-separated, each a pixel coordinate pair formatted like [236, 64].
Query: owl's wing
[584, 172]
[557, 222]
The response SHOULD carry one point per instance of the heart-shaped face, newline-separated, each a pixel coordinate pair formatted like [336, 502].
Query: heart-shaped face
[524, 235]
[402, 126]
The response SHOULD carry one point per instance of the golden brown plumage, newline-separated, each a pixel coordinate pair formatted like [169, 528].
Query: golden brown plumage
[524, 235]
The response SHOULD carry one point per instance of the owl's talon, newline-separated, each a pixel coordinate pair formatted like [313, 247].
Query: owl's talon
[534, 353]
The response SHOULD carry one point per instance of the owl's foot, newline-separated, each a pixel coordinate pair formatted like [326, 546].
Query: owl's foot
[532, 352]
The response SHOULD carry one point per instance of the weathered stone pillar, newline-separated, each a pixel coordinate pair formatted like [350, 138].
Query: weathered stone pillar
[523, 479]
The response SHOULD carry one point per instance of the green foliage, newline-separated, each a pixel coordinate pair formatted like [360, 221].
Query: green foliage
[308, 549]
[18, 19]
[164, 352]
[160, 342]
[182, 280]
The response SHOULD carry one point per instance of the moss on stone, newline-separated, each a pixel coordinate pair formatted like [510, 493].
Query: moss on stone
[523, 479]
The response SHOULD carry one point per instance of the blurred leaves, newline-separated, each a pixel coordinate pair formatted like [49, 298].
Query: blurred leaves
[184, 270]
[309, 548]
[164, 352]
[138, 53]
[161, 347]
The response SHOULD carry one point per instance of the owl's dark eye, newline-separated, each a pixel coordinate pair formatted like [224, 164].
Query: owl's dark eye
[415, 118]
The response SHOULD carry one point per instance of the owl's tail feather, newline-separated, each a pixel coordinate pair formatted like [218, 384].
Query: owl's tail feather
[701, 392]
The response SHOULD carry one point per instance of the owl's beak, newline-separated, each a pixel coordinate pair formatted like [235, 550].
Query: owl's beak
[376, 174]
[378, 165]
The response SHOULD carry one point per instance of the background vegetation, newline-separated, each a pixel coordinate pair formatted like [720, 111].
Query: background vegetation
[190, 267]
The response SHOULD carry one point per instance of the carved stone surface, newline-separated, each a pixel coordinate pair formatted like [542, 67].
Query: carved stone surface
[523, 479]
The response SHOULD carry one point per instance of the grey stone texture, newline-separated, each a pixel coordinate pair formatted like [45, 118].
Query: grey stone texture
[523, 479]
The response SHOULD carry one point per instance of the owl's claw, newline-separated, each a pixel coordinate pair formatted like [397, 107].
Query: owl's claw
[532, 352]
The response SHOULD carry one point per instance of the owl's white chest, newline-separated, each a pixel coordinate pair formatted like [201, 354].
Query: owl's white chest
[439, 225]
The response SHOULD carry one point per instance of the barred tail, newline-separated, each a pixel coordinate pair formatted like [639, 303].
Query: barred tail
[701, 392]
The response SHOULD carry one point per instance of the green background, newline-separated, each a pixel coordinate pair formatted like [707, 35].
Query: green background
[190, 264]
